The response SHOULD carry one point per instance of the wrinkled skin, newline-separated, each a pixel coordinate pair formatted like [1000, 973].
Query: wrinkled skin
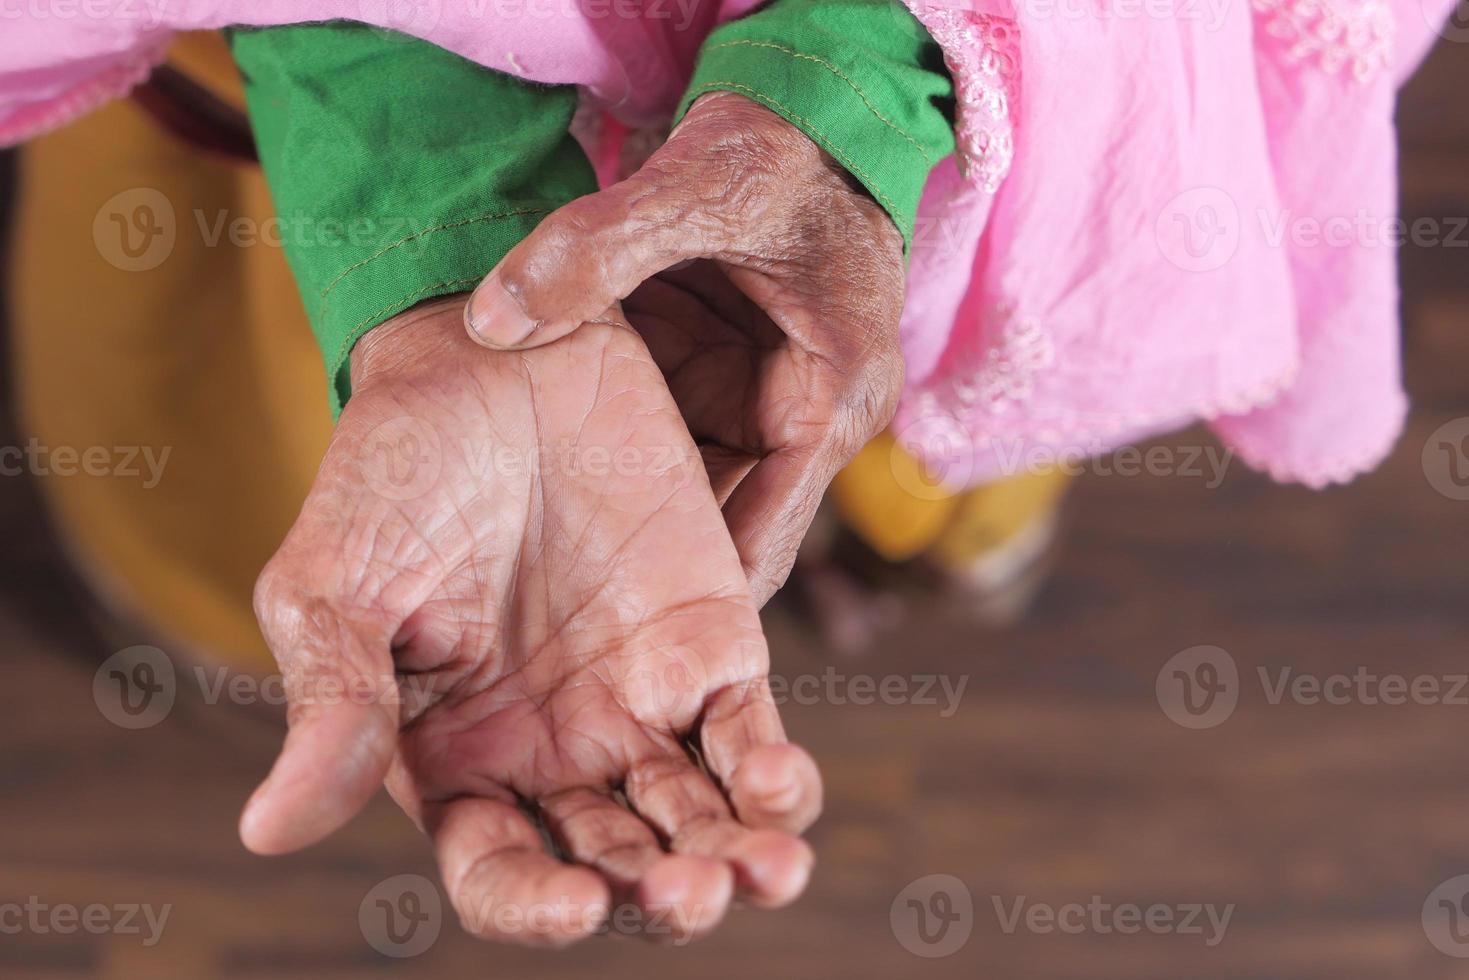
[768, 287]
[525, 634]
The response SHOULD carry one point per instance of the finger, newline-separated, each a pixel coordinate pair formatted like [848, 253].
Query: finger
[770, 782]
[726, 468]
[772, 508]
[708, 188]
[580, 261]
[677, 897]
[771, 867]
[343, 717]
[503, 884]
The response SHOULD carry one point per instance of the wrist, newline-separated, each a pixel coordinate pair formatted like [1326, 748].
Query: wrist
[418, 334]
[776, 161]
[871, 97]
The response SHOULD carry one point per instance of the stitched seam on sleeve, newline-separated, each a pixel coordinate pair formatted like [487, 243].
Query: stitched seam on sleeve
[815, 134]
[371, 319]
[837, 72]
[420, 234]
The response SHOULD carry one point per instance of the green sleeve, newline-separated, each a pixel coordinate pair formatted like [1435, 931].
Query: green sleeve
[861, 78]
[399, 171]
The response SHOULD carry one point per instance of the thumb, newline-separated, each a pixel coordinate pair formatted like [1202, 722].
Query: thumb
[343, 716]
[583, 258]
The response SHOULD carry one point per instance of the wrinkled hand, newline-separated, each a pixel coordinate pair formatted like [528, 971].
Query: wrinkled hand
[511, 594]
[779, 341]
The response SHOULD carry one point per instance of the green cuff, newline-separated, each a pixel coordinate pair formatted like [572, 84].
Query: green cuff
[451, 256]
[861, 78]
[399, 171]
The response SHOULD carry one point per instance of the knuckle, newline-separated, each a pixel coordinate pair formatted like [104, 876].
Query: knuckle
[277, 590]
[291, 610]
[680, 205]
[555, 238]
[584, 250]
[748, 137]
[733, 163]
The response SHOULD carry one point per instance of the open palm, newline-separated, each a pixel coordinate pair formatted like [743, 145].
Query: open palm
[512, 595]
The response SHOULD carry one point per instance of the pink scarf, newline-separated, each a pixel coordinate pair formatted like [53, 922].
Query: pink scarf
[1161, 210]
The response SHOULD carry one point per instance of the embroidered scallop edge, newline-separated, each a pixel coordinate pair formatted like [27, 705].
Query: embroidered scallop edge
[1324, 471]
[924, 402]
[1336, 34]
[1316, 473]
[982, 53]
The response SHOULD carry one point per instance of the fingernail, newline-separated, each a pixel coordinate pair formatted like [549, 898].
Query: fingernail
[495, 318]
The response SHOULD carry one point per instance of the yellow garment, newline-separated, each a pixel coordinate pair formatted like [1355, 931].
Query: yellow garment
[886, 498]
[207, 355]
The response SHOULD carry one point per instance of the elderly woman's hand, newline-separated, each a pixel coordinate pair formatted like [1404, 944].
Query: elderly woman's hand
[510, 592]
[768, 287]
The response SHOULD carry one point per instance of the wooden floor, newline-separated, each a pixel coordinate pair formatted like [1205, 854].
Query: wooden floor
[1058, 778]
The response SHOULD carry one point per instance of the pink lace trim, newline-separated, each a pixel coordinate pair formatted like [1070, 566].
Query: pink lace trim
[1010, 357]
[983, 54]
[1019, 353]
[1338, 34]
[953, 440]
[1320, 473]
